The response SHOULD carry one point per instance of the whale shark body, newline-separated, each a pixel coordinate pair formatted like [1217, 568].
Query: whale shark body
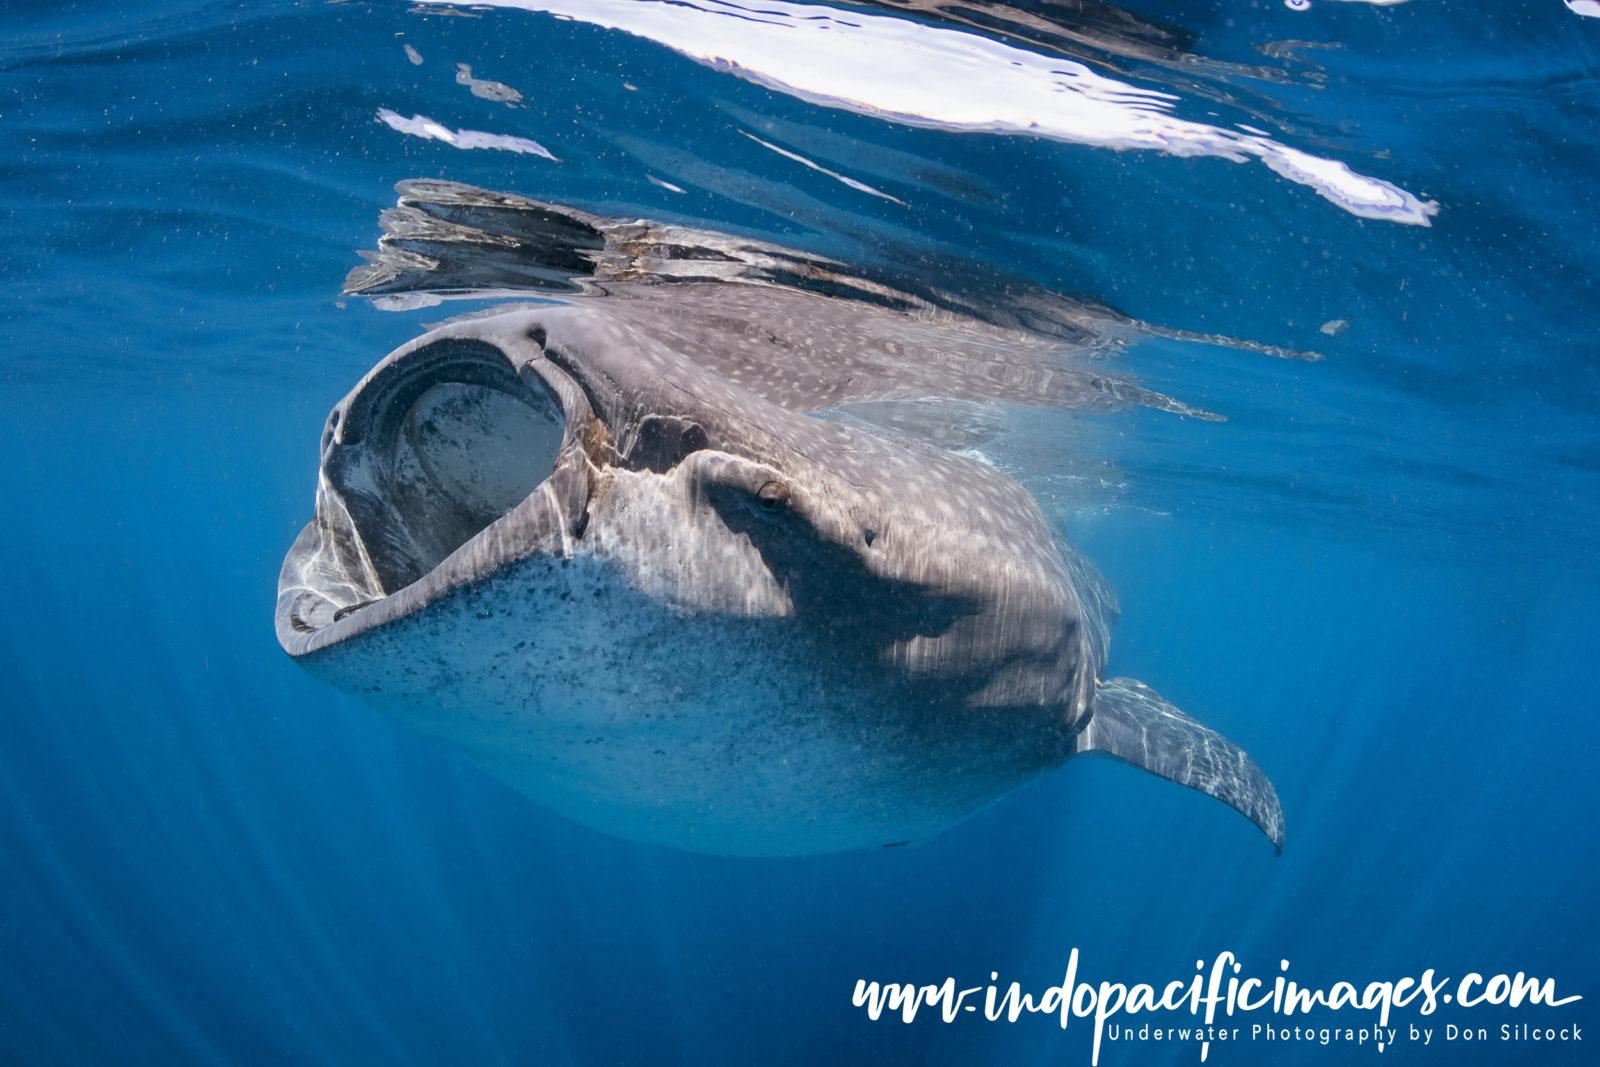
[607, 548]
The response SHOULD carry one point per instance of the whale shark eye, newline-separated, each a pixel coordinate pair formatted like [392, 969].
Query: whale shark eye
[774, 496]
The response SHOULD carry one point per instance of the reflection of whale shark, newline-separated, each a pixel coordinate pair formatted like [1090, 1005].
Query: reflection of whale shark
[605, 549]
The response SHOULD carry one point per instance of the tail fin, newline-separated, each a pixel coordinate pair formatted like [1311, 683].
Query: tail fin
[1135, 723]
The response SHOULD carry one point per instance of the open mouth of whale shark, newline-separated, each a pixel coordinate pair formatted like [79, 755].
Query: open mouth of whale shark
[424, 456]
[458, 443]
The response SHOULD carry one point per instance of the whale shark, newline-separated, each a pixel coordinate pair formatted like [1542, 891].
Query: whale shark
[616, 549]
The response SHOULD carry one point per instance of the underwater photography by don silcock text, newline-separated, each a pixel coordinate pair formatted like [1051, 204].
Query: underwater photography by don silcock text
[732, 532]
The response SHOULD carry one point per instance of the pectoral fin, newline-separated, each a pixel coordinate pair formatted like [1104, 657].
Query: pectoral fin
[1135, 723]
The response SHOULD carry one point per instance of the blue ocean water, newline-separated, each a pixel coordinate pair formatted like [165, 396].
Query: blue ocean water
[1379, 574]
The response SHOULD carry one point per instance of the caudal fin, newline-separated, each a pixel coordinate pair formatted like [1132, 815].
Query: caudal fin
[1135, 723]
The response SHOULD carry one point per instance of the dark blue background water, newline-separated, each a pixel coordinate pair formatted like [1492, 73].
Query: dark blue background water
[1379, 575]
